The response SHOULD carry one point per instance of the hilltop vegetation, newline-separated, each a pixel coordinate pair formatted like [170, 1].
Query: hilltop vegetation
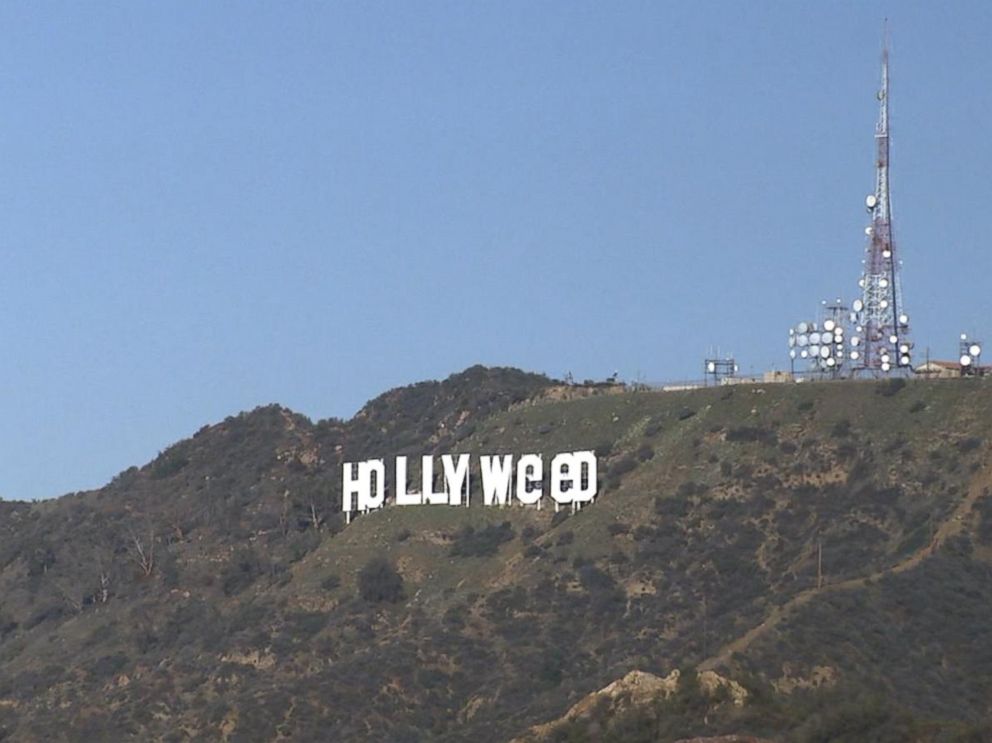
[826, 546]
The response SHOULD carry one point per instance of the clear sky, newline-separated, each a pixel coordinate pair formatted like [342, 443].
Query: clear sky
[209, 206]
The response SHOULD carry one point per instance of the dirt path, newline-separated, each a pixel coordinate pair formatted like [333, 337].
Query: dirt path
[950, 527]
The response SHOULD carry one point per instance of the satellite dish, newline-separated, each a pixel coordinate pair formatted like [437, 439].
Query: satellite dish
[964, 336]
[792, 354]
[831, 362]
[802, 340]
[883, 304]
[885, 358]
[858, 304]
[886, 253]
[883, 282]
[855, 341]
[904, 348]
[974, 349]
[802, 327]
[825, 352]
[871, 201]
[711, 367]
[904, 360]
[814, 350]
[829, 325]
[868, 231]
[792, 341]
[893, 339]
[904, 319]
[885, 366]
[804, 353]
[855, 355]
[814, 338]
[966, 360]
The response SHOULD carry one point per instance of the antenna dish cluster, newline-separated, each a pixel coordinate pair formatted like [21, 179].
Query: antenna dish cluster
[720, 370]
[970, 351]
[821, 345]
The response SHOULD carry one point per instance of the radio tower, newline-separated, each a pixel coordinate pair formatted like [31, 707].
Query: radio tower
[881, 341]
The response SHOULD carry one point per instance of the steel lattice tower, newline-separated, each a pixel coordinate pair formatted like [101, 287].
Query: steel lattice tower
[881, 340]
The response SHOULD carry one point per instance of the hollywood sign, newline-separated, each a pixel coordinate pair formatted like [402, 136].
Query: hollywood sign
[570, 480]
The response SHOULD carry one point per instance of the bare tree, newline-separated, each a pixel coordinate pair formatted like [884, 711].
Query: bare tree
[317, 501]
[313, 508]
[315, 519]
[143, 553]
[104, 594]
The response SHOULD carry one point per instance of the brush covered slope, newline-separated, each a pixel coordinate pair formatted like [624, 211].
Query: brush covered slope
[825, 548]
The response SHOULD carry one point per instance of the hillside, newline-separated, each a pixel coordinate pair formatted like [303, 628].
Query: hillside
[215, 593]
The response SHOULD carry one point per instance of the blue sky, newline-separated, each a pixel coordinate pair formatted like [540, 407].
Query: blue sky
[205, 207]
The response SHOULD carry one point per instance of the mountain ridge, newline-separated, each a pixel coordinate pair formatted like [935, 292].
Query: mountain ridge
[216, 592]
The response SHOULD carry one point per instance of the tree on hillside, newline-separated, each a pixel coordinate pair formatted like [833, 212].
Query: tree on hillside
[143, 552]
[378, 582]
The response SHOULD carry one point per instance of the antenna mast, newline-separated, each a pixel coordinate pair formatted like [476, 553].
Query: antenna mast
[882, 326]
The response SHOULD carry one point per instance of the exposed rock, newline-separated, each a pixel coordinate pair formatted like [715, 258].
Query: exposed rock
[638, 689]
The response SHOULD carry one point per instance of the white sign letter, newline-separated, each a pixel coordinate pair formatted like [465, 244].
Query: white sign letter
[573, 477]
[563, 476]
[353, 485]
[403, 498]
[496, 474]
[584, 472]
[428, 494]
[376, 499]
[530, 472]
[456, 478]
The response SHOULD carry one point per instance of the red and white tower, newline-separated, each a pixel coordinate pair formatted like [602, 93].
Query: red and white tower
[880, 343]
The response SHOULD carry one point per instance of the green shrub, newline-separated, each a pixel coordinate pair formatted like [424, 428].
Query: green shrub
[378, 582]
[471, 542]
[533, 550]
[969, 444]
[167, 464]
[841, 429]
[621, 467]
